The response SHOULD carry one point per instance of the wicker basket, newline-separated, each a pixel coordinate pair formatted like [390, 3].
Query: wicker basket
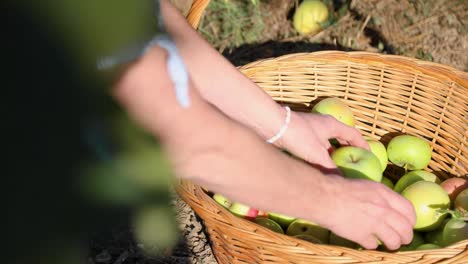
[388, 94]
[196, 12]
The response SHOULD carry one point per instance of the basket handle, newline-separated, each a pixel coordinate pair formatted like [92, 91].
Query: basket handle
[196, 12]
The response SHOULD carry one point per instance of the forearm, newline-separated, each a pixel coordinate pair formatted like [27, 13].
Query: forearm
[222, 155]
[220, 83]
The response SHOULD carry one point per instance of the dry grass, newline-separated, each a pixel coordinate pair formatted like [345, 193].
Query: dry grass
[434, 30]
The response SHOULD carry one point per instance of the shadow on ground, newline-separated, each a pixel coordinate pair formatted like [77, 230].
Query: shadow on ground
[252, 52]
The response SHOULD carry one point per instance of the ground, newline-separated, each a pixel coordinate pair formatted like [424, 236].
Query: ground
[431, 30]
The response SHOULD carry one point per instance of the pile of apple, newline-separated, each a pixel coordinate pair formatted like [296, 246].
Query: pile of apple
[441, 206]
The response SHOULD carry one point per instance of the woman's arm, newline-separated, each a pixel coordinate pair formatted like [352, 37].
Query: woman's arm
[224, 86]
[226, 157]
[219, 82]
[212, 150]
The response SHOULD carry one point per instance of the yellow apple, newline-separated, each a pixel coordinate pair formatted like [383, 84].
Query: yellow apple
[308, 16]
[336, 108]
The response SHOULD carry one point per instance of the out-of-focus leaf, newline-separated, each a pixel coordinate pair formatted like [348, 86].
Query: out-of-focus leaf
[155, 228]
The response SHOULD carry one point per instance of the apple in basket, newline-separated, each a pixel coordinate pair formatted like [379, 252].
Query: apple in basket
[281, 219]
[303, 227]
[222, 200]
[243, 211]
[379, 150]
[412, 177]
[453, 186]
[359, 163]
[409, 152]
[342, 242]
[427, 246]
[270, 224]
[336, 108]
[387, 182]
[429, 201]
[417, 241]
[461, 201]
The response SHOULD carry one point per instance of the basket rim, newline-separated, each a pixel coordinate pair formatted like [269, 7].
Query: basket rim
[434, 69]
[189, 190]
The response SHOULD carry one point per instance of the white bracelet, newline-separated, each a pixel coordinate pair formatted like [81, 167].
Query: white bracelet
[283, 128]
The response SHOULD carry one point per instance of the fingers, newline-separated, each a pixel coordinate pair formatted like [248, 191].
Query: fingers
[369, 243]
[389, 237]
[401, 205]
[401, 226]
[344, 133]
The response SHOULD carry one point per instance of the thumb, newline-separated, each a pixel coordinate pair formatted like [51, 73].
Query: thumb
[321, 158]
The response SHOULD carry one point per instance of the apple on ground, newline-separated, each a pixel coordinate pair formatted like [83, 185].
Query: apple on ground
[270, 224]
[427, 199]
[453, 186]
[336, 108]
[359, 163]
[308, 16]
[304, 227]
[461, 201]
[387, 182]
[412, 177]
[281, 219]
[409, 152]
[222, 200]
[243, 211]
[379, 150]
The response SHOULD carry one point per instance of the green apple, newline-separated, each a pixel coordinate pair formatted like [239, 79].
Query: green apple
[342, 242]
[434, 237]
[455, 230]
[281, 219]
[222, 200]
[427, 199]
[309, 239]
[461, 201]
[308, 16]
[379, 151]
[336, 108]
[355, 162]
[304, 227]
[427, 246]
[387, 182]
[418, 240]
[410, 152]
[412, 177]
[270, 224]
[243, 211]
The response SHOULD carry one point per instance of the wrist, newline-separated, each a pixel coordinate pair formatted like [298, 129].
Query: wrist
[277, 127]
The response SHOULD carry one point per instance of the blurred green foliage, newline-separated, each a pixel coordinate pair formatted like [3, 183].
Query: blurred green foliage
[76, 162]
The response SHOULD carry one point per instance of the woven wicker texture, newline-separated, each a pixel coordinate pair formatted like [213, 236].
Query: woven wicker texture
[196, 12]
[388, 94]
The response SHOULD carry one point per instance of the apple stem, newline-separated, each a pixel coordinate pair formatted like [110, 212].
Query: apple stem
[454, 214]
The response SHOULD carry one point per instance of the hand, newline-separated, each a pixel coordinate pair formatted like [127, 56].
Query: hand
[364, 211]
[308, 134]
